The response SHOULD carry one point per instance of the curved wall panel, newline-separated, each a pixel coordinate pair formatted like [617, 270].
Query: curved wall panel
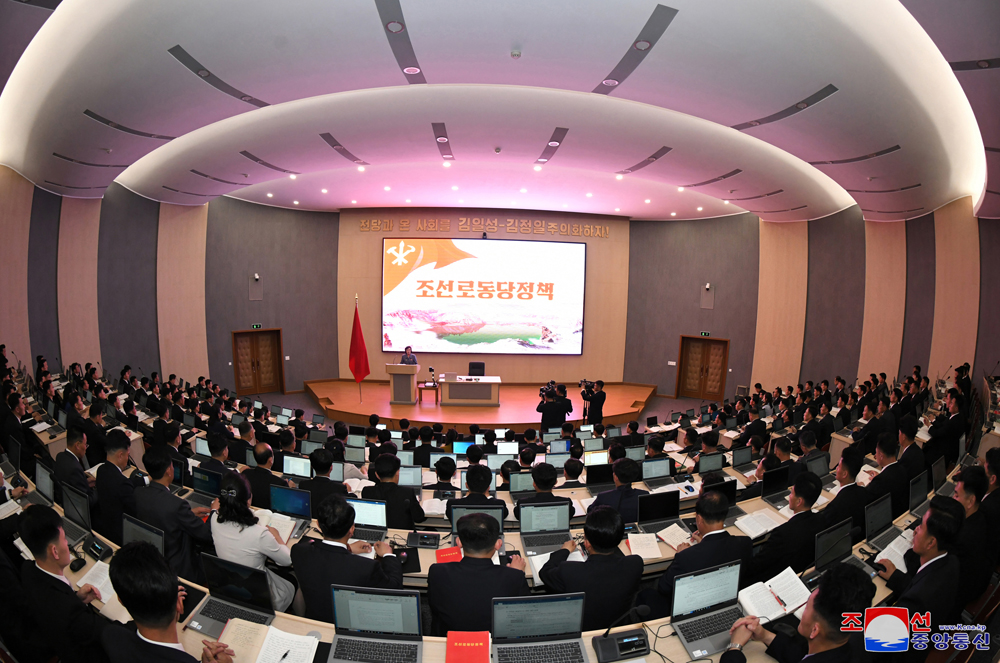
[79, 235]
[885, 298]
[15, 224]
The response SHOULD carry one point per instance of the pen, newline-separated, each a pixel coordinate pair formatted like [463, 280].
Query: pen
[285, 655]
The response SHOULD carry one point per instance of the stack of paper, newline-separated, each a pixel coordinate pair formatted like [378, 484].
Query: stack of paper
[9, 508]
[775, 598]
[41, 426]
[644, 545]
[673, 446]
[357, 485]
[99, 579]
[434, 507]
[894, 553]
[370, 554]
[25, 553]
[674, 536]
[536, 562]
[93, 470]
[758, 523]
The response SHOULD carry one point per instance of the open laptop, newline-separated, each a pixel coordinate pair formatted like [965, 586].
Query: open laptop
[356, 441]
[659, 511]
[774, 487]
[600, 478]
[180, 467]
[295, 468]
[612, 431]
[496, 512]
[833, 545]
[465, 489]
[728, 488]
[405, 457]
[202, 454]
[538, 628]
[376, 625]
[593, 444]
[319, 419]
[918, 496]
[657, 472]
[521, 486]
[411, 476]
[235, 592]
[710, 463]
[942, 486]
[76, 518]
[559, 445]
[879, 530]
[369, 520]
[595, 457]
[134, 529]
[44, 492]
[507, 448]
[309, 446]
[544, 527]
[294, 503]
[743, 459]
[460, 447]
[705, 607]
[354, 454]
[207, 485]
[435, 456]
[635, 453]
[557, 460]
[494, 461]
[549, 438]
[820, 466]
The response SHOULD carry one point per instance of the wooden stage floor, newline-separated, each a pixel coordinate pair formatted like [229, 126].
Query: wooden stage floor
[340, 400]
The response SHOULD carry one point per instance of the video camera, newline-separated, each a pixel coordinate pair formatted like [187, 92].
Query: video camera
[586, 385]
[550, 386]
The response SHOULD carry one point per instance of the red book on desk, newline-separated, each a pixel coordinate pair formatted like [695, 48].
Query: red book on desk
[468, 647]
[453, 554]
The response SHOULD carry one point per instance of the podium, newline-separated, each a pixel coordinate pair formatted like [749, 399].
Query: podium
[402, 383]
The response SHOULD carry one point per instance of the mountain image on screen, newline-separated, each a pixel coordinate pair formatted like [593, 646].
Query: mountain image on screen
[483, 296]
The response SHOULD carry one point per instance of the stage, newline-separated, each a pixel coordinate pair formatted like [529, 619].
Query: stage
[340, 400]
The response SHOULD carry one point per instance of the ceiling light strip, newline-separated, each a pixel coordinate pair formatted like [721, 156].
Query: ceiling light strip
[260, 161]
[763, 195]
[655, 156]
[206, 75]
[216, 179]
[114, 125]
[86, 163]
[975, 65]
[656, 25]
[791, 110]
[188, 193]
[78, 188]
[778, 211]
[394, 26]
[444, 146]
[731, 173]
[904, 188]
[341, 150]
[864, 157]
[993, 149]
[558, 136]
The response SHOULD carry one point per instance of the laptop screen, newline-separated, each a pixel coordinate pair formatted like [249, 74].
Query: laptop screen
[134, 529]
[76, 506]
[319, 419]
[493, 481]
[287, 412]
[179, 467]
[435, 456]
[206, 481]
[494, 461]
[275, 409]
[458, 511]
[368, 512]
[878, 516]
[375, 612]
[549, 438]
[556, 617]
[410, 475]
[317, 436]
[657, 467]
[309, 447]
[659, 506]
[548, 518]
[818, 465]
[703, 591]
[938, 473]
[281, 420]
[357, 441]
[507, 448]
[727, 488]
[833, 544]
[593, 444]
[251, 461]
[918, 490]
[460, 447]
[43, 482]
[291, 502]
[521, 482]
[600, 474]
[300, 467]
[396, 434]
[201, 446]
[775, 481]
[613, 432]
[557, 460]
[405, 457]
[586, 428]
[635, 453]
[237, 419]
[337, 472]
[710, 462]
[237, 583]
[353, 455]
[742, 455]
[257, 405]
[188, 419]
[595, 457]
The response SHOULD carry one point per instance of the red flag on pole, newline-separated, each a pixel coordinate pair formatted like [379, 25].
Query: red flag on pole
[358, 361]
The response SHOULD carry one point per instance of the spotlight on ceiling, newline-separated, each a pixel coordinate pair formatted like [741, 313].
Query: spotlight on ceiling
[270, 195]
[610, 82]
[322, 190]
[802, 105]
[295, 202]
[983, 64]
[446, 164]
[641, 45]
[590, 195]
[673, 214]
[354, 202]
[204, 73]
[524, 191]
[454, 188]
[292, 177]
[553, 143]
[725, 202]
[407, 200]
[619, 176]
[386, 188]
[680, 188]
[648, 201]
[442, 139]
[361, 169]
[542, 159]
[395, 27]
[700, 208]
[537, 168]
[246, 97]
[411, 70]
[618, 209]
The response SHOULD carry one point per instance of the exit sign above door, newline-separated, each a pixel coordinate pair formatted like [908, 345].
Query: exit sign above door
[705, 334]
[258, 327]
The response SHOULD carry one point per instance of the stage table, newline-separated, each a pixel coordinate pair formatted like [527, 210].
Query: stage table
[480, 390]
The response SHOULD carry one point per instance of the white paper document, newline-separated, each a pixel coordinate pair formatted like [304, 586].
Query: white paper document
[536, 562]
[281, 647]
[644, 545]
[674, 536]
[894, 553]
[41, 426]
[758, 523]
[98, 577]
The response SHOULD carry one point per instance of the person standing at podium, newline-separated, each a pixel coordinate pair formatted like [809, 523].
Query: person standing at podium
[408, 356]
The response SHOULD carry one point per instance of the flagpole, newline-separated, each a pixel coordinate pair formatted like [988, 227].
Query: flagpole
[361, 398]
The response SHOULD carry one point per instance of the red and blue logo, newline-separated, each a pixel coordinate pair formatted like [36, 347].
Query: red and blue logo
[888, 629]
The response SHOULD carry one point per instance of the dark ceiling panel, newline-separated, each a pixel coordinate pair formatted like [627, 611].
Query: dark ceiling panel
[114, 125]
[731, 173]
[648, 160]
[904, 188]
[863, 157]
[442, 140]
[216, 179]
[558, 136]
[260, 161]
[342, 151]
[396, 32]
[763, 195]
[75, 188]
[791, 110]
[973, 65]
[656, 25]
[87, 163]
[188, 193]
[204, 74]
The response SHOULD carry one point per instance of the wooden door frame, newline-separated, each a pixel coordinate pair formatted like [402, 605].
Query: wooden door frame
[680, 351]
[281, 353]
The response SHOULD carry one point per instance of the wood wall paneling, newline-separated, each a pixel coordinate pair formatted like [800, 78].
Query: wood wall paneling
[180, 290]
[956, 309]
[15, 228]
[781, 303]
[79, 327]
[885, 298]
[918, 325]
[605, 301]
[988, 341]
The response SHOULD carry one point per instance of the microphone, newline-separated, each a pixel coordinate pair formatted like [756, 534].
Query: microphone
[626, 644]
[637, 611]
[140, 370]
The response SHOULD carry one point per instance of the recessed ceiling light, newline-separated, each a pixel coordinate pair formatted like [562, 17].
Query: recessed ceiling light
[673, 214]
[446, 164]
[565, 206]
[650, 158]
[700, 208]
[801, 105]
[386, 188]
[627, 170]
[358, 161]
[619, 176]
[442, 139]
[454, 188]
[295, 202]
[610, 82]
[361, 169]
[246, 97]
[354, 202]
[618, 209]
[411, 70]
[590, 195]
[642, 45]
[524, 191]
[395, 27]
[537, 168]
[270, 195]
[449, 156]
[322, 190]
[204, 73]
[407, 200]
[725, 202]
[541, 160]
[983, 64]
[460, 200]
[680, 188]
[553, 143]
[647, 201]
[754, 123]
[291, 177]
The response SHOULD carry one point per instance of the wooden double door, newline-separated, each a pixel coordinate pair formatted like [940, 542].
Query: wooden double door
[702, 368]
[257, 361]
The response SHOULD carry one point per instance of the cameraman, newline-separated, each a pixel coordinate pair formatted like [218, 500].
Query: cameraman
[593, 393]
[553, 410]
[563, 399]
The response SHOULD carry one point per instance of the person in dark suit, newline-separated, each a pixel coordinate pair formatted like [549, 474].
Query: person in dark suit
[444, 468]
[176, 407]
[71, 464]
[543, 478]
[712, 546]
[94, 428]
[334, 561]
[261, 478]
[851, 499]
[477, 479]
[21, 634]
[911, 456]
[572, 469]
[843, 418]
[606, 601]
[218, 446]
[321, 485]
[624, 498]
[754, 426]
[809, 425]
[892, 479]
[553, 410]
[807, 444]
[792, 543]
[973, 548]
[461, 593]
[595, 399]
[990, 504]
[183, 527]
[31, 449]
[945, 433]
[827, 425]
[742, 416]
[767, 463]
[930, 583]
[422, 453]
[115, 491]
[841, 589]
[72, 627]
[149, 590]
[866, 437]
[402, 509]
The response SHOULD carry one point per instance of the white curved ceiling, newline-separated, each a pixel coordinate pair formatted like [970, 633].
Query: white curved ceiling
[727, 62]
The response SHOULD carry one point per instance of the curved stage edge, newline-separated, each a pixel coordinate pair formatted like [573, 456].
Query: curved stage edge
[340, 400]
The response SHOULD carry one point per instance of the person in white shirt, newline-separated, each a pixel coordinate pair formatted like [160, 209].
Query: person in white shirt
[240, 538]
